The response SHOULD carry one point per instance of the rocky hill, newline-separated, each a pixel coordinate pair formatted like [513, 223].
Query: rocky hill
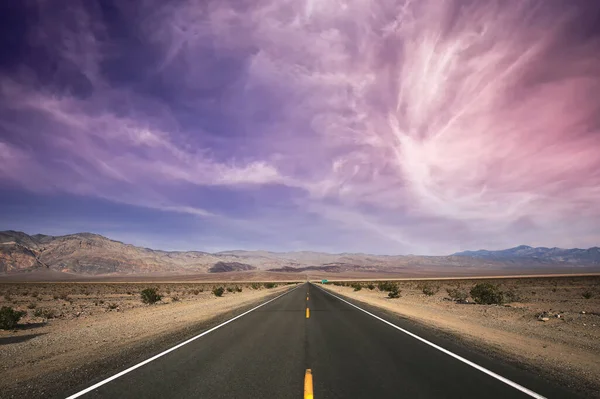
[93, 254]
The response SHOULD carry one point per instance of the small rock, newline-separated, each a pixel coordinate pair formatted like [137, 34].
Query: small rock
[583, 312]
[544, 318]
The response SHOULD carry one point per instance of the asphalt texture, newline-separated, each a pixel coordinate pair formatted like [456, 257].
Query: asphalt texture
[265, 354]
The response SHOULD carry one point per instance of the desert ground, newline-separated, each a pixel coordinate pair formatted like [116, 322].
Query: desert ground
[73, 332]
[549, 324]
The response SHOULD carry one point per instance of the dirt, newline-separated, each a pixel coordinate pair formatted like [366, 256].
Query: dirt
[70, 327]
[566, 346]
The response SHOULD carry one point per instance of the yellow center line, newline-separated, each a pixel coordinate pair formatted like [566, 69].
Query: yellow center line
[307, 313]
[308, 385]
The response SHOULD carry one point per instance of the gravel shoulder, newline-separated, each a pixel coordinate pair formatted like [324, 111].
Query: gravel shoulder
[87, 342]
[551, 329]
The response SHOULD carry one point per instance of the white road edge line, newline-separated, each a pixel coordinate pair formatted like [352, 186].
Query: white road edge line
[446, 351]
[130, 369]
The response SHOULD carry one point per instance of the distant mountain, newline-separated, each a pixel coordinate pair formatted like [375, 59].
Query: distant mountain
[543, 254]
[93, 254]
[223, 267]
[86, 253]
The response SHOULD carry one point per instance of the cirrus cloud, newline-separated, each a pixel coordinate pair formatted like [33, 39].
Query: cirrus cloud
[432, 125]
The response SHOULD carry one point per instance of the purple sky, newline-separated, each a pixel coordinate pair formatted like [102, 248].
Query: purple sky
[395, 127]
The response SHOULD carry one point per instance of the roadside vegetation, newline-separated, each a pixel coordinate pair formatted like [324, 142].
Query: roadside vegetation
[486, 292]
[9, 318]
[429, 289]
[42, 302]
[150, 296]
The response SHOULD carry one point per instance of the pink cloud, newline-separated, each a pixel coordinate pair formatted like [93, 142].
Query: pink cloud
[387, 116]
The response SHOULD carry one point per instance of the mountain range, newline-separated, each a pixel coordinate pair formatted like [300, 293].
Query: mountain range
[557, 255]
[95, 255]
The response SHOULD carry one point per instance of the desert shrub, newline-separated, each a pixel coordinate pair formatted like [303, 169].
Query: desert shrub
[356, 286]
[55, 297]
[270, 285]
[371, 286]
[229, 289]
[512, 296]
[64, 297]
[457, 294]
[487, 294]
[149, 295]
[387, 286]
[112, 306]
[587, 294]
[195, 292]
[255, 286]
[35, 294]
[175, 299]
[430, 290]
[218, 291]
[31, 305]
[9, 318]
[238, 288]
[45, 313]
[394, 292]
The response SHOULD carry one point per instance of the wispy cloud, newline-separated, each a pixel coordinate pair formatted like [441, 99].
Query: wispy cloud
[432, 124]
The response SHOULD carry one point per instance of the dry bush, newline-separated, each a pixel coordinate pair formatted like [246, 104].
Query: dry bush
[457, 294]
[429, 289]
[150, 296]
[394, 293]
[9, 318]
[487, 294]
[45, 313]
[387, 286]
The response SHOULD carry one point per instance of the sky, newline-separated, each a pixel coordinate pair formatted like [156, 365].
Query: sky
[386, 127]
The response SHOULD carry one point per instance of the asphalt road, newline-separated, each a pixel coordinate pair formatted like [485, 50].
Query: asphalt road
[266, 353]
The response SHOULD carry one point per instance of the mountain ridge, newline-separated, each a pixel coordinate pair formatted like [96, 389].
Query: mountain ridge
[94, 254]
[565, 255]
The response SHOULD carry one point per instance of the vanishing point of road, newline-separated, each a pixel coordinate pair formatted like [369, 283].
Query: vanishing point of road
[310, 344]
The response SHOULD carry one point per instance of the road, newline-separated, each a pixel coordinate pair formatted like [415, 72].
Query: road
[351, 354]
